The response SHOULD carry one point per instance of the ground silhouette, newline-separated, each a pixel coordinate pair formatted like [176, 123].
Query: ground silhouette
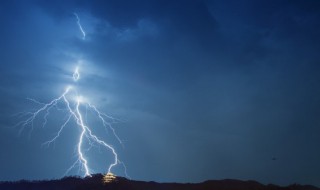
[96, 183]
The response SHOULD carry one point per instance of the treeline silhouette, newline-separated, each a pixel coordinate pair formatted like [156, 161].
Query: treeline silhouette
[96, 183]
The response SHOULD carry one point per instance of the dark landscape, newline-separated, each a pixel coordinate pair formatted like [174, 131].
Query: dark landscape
[96, 183]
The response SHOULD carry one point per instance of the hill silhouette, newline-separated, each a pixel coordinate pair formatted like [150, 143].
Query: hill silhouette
[96, 183]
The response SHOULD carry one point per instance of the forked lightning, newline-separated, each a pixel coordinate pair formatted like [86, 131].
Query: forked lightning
[72, 103]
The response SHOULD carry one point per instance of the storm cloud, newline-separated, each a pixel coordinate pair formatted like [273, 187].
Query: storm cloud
[207, 89]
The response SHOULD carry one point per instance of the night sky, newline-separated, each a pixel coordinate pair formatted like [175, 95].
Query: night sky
[204, 89]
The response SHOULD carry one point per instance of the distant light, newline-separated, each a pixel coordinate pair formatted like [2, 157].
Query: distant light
[109, 177]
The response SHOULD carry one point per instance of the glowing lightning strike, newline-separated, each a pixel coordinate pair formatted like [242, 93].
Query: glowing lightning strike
[80, 27]
[73, 102]
[74, 112]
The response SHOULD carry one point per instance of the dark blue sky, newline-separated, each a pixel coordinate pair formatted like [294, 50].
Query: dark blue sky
[205, 89]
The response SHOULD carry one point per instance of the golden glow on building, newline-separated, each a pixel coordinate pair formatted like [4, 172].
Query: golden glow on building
[109, 177]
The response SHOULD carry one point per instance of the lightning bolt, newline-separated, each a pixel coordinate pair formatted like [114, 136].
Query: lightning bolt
[72, 104]
[80, 27]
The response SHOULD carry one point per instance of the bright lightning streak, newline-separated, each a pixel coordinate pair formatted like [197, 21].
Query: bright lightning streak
[75, 113]
[105, 124]
[59, 132]
[73, 107]
[80, 27]
[30, 120]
